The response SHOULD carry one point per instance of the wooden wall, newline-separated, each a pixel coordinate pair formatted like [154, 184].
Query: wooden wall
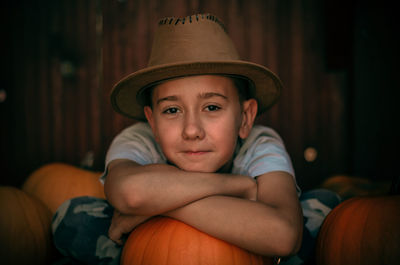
[61, 59]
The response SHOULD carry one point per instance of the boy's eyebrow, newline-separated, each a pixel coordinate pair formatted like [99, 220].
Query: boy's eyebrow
[169, 98]
[212, 94]
[202, 96]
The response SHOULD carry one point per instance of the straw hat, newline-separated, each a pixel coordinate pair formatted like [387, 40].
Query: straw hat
[193, 45]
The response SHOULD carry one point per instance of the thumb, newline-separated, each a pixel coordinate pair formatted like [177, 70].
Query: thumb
[115, 234]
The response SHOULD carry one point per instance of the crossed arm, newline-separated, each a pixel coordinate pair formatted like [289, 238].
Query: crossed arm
[263, 217]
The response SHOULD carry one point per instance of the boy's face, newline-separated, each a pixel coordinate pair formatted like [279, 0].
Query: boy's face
[197, 121]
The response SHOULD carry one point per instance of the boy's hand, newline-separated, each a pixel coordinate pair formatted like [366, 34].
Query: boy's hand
[122, 224]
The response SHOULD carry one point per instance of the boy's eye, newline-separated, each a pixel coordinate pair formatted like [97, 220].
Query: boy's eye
[212, 108]
[171, 111]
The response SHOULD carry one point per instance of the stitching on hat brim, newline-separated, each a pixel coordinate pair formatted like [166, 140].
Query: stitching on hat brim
[123, 95]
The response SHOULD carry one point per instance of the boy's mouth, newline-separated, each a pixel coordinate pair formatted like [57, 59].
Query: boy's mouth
[194, 153]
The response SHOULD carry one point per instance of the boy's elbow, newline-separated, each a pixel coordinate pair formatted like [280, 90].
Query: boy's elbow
[290, 240]
[287, 241]
[124, 198]
[289, 247]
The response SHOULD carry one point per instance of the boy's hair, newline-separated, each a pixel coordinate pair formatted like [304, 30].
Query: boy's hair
[241, 84]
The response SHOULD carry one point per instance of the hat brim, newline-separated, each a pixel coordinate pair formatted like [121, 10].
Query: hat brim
[267, 86]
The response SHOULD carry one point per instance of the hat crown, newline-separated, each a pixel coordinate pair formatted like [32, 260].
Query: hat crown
[199, 37]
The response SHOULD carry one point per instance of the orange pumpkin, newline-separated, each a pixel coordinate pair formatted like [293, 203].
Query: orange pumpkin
[361, 230]
[57, 182]
[163, 240]
[349, 186]
[25, 233]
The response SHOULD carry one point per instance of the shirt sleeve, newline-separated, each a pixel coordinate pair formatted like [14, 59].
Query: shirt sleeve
[134, 143]
[263, 152]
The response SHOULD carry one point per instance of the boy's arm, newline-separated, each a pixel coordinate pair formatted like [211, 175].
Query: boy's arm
[155, 189]
[270, 226]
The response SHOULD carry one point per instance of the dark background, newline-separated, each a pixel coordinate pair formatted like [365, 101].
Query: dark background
[337, 59]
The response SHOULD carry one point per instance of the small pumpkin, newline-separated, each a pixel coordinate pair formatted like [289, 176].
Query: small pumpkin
[57, 182]
[25, 233]
[163, 240]
[361, 230]
[349, 186]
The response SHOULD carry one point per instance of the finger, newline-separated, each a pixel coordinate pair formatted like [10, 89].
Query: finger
[115, 234]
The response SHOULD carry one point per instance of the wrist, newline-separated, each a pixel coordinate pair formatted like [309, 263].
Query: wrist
[241, 186]
[251, 192]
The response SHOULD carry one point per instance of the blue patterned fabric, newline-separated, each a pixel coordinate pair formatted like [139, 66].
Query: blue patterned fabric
[316, 204]
[80, 228]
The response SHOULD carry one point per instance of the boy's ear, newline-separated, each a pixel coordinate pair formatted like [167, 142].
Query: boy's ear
[148, 112]
[249, 113]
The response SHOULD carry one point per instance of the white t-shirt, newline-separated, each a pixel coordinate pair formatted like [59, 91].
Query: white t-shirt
[261, 152]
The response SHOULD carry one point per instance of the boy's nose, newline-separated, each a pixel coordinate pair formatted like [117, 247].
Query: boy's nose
[192, 128]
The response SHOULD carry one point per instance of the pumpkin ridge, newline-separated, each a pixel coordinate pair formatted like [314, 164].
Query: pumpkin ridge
[26, 218]
[377, 242]
[173, 229]
[235, 257]
[334, 246]
[164, 229]
[138, 251]
[181, 230]
[332, 218]
[356, 229]
[370, 215]
[151, 239]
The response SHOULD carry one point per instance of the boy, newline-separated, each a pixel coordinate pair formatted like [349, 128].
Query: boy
[199, 159]
[197, 121]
